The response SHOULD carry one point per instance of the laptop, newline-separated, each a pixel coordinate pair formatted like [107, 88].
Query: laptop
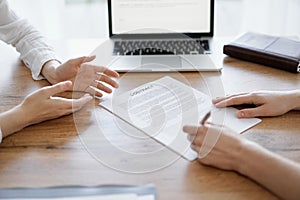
[158, 36]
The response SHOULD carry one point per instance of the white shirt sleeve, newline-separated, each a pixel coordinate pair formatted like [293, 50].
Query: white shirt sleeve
[34, 50]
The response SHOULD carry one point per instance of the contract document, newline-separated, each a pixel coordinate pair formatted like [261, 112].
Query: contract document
[161, 108]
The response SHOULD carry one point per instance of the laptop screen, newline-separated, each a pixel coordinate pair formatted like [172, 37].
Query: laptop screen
[143, 17]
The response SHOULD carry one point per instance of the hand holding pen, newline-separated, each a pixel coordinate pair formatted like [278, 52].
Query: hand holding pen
[205, 118]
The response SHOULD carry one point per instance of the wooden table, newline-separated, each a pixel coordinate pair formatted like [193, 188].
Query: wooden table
[60, 152]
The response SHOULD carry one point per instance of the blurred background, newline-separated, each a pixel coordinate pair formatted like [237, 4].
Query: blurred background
[58, 19]
[61, 19]
[77, 27]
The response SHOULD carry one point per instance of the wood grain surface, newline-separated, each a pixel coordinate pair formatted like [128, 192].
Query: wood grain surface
[92, 147]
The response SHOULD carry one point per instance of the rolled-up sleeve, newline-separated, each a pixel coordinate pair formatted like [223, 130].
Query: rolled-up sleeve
[32, 46]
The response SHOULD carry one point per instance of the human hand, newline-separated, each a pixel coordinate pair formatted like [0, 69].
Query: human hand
[229, 151]
[86, 77]
[41, 105]
[221, 150]
[268, 103]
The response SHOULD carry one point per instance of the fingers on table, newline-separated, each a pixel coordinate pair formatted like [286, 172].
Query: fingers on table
[259, 111]
[233, 100]
[195, 134]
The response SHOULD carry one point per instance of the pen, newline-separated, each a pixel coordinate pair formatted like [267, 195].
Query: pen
[205, 118]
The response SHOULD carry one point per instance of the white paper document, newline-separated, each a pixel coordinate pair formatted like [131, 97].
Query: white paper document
[161, 108]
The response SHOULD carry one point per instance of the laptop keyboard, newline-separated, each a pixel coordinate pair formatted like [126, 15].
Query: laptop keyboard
[161, 47]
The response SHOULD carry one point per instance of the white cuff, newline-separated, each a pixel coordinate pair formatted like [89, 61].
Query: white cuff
[42, 55]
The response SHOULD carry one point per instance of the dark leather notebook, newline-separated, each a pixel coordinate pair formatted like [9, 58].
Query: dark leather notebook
[278, 52]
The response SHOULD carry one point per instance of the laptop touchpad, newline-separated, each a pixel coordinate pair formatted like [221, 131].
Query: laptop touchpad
[157, 62]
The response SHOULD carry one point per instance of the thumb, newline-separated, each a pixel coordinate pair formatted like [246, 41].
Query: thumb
[83, 59]
[89, 58]
[57, 88]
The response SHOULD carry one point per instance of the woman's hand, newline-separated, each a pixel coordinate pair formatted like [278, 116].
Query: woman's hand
[43, 105]
[229, 151]
[268, 103]
[86, 77]
[220, 149]
[39, 106]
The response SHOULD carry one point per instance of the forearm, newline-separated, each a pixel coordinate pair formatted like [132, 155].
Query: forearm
[279, 175]
[32, 46]
[34, 50]
[13, 120]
